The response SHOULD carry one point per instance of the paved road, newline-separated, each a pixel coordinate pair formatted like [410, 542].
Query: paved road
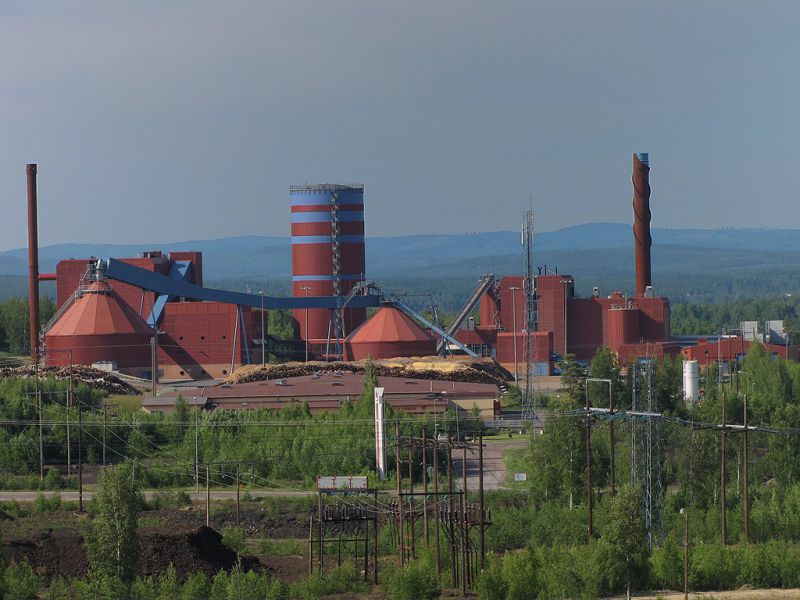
[72, 496]
[494, 467]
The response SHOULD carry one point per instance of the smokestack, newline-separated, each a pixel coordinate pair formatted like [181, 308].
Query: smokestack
[641, 220]
[33, 262]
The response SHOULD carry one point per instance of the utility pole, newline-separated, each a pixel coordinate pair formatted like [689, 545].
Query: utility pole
[685, 553]
[611, 441]
[513, 290]
[400, 524]
[238, 502]
[464, 523]
[69, 407]
[105, 417]
[722, 477]
[39, 410]
[481, 500]
[196, 447]
[425, 487]
[80, 458]
[208, 496]
[436, 512]
[589, 527]
[746, 479]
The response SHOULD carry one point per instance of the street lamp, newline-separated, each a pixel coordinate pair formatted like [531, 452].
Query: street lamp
[263, 347]
[514, 313]
[306, 289]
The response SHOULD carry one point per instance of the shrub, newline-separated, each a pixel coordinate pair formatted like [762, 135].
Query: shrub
[233, 538]
[520, 575]
[491, 583]
[417, 581]
[43, 505]
[20, 582]
[195, 587]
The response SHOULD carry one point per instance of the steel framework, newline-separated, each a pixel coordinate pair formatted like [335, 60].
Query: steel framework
[646, 459]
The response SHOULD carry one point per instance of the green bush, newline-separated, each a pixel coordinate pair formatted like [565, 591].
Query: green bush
[20, 582]
[195, 587]
[43, 505]
[233, 538]
[161, 500]
[417, 581]
[491, 582]
[341, 580]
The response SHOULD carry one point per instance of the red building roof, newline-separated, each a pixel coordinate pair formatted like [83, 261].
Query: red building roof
[99, 311]
[389, 333]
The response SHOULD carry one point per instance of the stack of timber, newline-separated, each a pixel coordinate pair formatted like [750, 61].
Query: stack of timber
[432, 367]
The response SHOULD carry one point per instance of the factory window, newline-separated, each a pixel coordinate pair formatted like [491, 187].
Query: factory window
[224, 337]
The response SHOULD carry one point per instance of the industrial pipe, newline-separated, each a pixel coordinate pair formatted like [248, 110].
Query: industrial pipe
[33, 262]
[641, 220]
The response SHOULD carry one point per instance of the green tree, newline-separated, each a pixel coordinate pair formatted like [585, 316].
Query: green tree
[626, 547]
[113, 547]
[573, 378]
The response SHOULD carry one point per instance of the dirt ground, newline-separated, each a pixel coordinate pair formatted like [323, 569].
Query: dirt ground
[53, 543]
[742, 594]
[62, 553]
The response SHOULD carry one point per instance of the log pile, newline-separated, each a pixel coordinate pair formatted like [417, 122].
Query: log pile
[93, 378]
[476, 371]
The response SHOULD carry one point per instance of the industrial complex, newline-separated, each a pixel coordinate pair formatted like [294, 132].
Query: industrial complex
[151, 316]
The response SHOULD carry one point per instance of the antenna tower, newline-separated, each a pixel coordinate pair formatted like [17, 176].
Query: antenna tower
[529, 287]
[646, 448]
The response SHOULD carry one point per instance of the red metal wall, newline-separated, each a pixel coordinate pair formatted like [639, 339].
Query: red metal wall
[553, 293]
[489, 310]
[69, 273]
[623, 327]
[543, 346]
[508, 303]
[131, 352]
[198, 339]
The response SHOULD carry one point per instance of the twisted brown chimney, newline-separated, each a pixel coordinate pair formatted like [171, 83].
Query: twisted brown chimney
[641, 220]
[33, 262]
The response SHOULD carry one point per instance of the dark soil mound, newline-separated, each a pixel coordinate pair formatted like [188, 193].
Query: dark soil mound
[190, 551]
[50, 553]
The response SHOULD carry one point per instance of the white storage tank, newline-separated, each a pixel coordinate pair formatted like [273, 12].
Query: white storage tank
[691, 381]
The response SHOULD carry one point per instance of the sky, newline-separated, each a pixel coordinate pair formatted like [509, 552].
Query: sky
[189, 119]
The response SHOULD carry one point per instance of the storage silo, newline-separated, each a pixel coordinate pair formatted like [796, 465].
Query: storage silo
[100, 327]
[327, 252]
[691, 381]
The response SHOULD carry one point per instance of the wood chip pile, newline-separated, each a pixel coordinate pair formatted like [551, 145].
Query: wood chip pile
[479, 371]
[94, 378]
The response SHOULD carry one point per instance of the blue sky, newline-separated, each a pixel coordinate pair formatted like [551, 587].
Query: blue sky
[158, 121]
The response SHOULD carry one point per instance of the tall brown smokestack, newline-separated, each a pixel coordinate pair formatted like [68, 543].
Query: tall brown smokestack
[641, 220]
[33, 261]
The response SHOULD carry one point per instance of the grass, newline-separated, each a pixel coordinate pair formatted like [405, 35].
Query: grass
[282, 547]
[125, 403]
[152, 522]
[516, 460]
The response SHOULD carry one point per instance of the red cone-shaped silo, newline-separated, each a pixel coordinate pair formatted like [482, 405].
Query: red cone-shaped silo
[98, 327]
[390, 333]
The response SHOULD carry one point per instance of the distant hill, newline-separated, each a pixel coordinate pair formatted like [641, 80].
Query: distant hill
[687, 263]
